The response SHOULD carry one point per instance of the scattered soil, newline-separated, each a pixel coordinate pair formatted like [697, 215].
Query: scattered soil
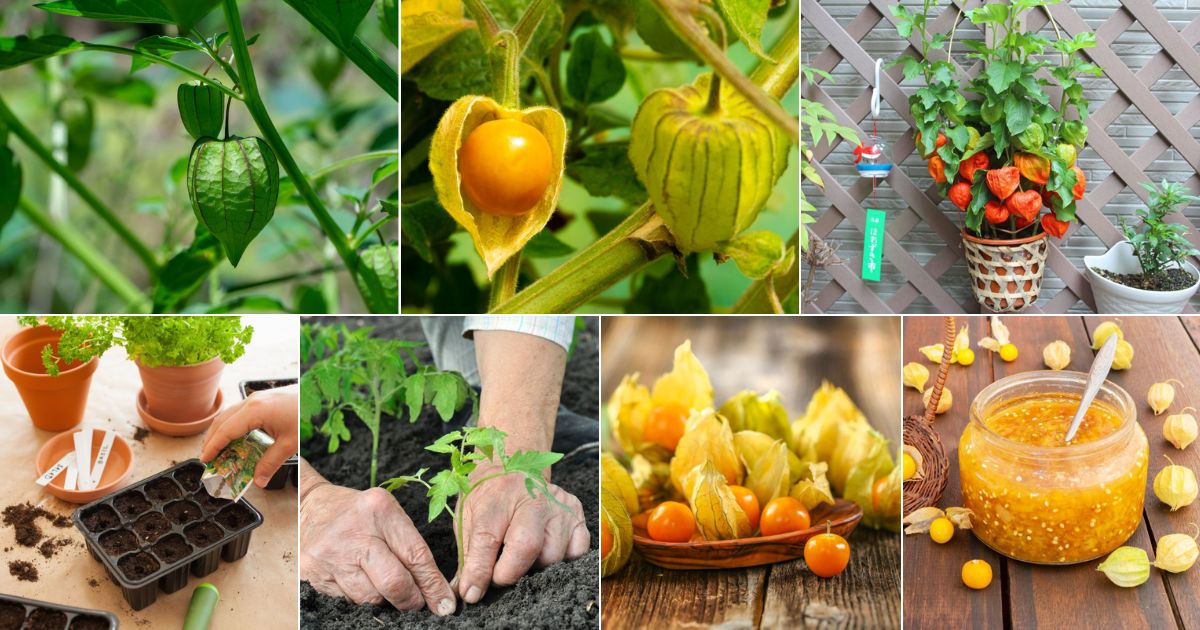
[235, 517]
[1172, 280]
[209, 502]
[183, 512]
[560, 597]
[88, 622]
[140, 434]
[171, 549]
[44, 619]
[203, 534]
[23, 570]
[162, 490]
[189, 477]
[119, 543]
[23, 518]
[50, 547]
[151, 526]
[12, 616]
[131, 503]
[137, 566]
[100, 518]
[93, 582]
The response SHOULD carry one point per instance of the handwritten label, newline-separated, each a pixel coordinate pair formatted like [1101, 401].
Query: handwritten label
[873, 245]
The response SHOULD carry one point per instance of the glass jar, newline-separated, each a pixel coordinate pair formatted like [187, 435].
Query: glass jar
[1037, 499]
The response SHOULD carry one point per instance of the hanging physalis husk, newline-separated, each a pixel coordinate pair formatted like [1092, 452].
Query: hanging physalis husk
[707, 438]
[1180, 429]
[918, 464]
[813, 488]
[233, 185]
[1176, 486]
[918, 521]
[1056, 355]
[652, 480]
[1126, 567]
[496, 238]
[718, 514]
[686, 387]
[620, 525]
[1161, 395]
[1000, 336]
[201, 109]
[750, 445]
[1177, 552]
[614, 477]
[708, 171]
[815, 434]
[962, 341]
[915, 375]
[855, 443]
[860, 484]
[769, 476]
[749, 411]
[1103, 331]
[944, 401]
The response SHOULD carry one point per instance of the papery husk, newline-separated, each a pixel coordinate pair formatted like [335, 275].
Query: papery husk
[686, 386]
[687, 383]
[750, 445]
[613, 512]
[887, 501]
[614, 477]
[718, 514]
[770, 476]
[628, 408]
[750, 411]
[813, 489]
[860, 484]
[707, 438]
[652, 480]
[496, 238]
[856, 442]
[815, 434]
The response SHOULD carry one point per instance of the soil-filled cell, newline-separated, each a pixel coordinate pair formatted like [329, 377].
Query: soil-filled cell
[131, 504]
[189, 477]
[137, 566]
[171, 549]
[162, 490]
[44, 619]
[100, 518]
[151, 526]
[259, 386]
[183, 512]
[235, 517]
[203, 534]
[89, 622]
[119, 542]
[12, 616]
[209, 502]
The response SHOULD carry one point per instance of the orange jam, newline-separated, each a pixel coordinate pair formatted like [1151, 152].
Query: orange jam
[1038, 499]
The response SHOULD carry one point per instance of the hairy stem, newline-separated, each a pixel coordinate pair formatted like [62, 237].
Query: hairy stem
[504, 284]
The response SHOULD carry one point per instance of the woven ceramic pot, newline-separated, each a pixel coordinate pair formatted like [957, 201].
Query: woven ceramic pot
[1006, 275]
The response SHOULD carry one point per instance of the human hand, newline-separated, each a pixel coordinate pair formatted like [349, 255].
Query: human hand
[362, 546]
[530, 529]
[276, 412]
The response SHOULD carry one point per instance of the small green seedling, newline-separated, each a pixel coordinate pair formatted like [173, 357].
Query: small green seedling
[488, 444]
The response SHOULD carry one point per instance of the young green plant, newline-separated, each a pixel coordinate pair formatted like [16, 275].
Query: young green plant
[468, 449]
[1159, 244]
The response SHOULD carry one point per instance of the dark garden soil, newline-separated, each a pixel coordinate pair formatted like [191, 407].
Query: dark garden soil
[139, 435]
[50, 547]
[23, 518]
[42, 619]
[131, 504]
[558, 597]
[171, 548]
[203, 534]
[23, 570]
[12, 616]
[151, 526]
[119, 543]
[182, 512]
[89, 623]
[1172, 280]
[189, 477]
[162, 489]
[100, 518]
[209, 502]
[137, 566]
[235, 517]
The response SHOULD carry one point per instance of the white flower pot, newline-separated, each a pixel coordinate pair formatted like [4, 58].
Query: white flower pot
[1114, 297]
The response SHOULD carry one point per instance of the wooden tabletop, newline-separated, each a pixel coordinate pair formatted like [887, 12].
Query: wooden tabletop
[791, 355]
[1027, 596]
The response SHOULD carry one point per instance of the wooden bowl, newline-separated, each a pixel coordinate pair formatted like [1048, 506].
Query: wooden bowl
[843, 517]
[116, 471]
[178, 429]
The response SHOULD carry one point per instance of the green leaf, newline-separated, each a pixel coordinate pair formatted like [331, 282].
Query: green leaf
[16, 51]
[137, 11]
[595, 71]
[10, 185]
[531, 463]
[381, 262]
[427, 31]
[993, 13]
[186, 13]
[605, 170]
[414, 396]
[389, 21]
[672, 292]
[447, 395]
[756, 254]
[746, 18]
[1001, 75]
[162, 46]
[185, 272]
[1018, 114]
[545, 244]
[337, 20]
[424, 225]
[445, 444]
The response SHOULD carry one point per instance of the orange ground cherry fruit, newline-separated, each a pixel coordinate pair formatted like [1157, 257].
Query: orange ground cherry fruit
[671, 521]
[977, 574]
[505, 166]
[748, 503]
[664, 426]
[827, 554]
[606, 540]
[877, 491]
[782, 515]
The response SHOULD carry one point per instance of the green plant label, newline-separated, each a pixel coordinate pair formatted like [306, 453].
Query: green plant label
[873, 245]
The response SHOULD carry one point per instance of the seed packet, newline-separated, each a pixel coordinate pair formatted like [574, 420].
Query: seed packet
[231, 472]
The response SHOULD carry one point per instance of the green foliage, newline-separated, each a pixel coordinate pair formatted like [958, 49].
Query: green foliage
[349, 371]
[1159, 244]
[595, 72]
[821, 125]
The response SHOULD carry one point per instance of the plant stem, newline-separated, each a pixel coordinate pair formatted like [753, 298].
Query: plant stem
[506, 70]
[295, 275]
[489, 28]
[163, 61]
[79, 246]
[530, 20]
[504, 284]
[458, 532]
[374, 295]
[106, 214]
[375, 433]
[350, 161]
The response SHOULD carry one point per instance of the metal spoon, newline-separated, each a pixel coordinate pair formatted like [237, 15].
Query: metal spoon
[1100, 367]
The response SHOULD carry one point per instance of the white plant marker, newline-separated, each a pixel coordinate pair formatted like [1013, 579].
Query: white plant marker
[102, 459]
[83, 456]
[72, 477]
[56, 469]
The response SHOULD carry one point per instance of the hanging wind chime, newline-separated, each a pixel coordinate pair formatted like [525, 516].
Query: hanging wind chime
[872, 161]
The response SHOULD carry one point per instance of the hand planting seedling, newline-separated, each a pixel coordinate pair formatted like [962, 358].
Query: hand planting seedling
[470, 449]
[351, 371]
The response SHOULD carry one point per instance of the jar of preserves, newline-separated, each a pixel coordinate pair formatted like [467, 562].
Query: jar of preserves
[1038, 499]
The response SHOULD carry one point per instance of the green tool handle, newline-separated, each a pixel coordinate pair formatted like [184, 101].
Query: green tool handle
[200, 611]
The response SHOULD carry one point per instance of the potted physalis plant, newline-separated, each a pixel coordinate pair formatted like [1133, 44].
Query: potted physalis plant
[997, 146]
[1148, 272]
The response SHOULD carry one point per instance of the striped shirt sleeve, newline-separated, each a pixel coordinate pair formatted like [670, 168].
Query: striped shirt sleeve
[558, 329]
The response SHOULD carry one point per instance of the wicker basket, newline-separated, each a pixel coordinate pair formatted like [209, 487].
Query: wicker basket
[1006, 275]
[919, 434]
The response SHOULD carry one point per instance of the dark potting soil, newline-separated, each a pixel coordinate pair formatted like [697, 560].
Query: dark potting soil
[558, 597]
[119, 543]
[189, 477]
[50, 547]
[262, 386]
[100, 518]
[182, 512]
[12, 616]
[131, 504]
[140, 434]
[171, 548]
[87, 622]
[23, 517]
[23, 570]
[235, 517]
[1172, 280]
[137, 566]
[151, 526]
[162, 489]
[43, 619]
[203, 534]
[209, 502]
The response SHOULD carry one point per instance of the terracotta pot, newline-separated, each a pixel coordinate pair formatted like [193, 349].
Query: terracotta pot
[184, 393]
[1006, 275]
[54, 403]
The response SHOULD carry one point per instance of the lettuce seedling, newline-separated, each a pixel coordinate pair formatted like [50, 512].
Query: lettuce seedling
[467, 449]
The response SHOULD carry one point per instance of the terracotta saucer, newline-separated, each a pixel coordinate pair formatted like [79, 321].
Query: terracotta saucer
[116, 471]
[843, 516]
[178, 429]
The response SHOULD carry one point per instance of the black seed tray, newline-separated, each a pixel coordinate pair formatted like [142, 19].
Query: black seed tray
[151, 534]
[290, 470]
[16, 612]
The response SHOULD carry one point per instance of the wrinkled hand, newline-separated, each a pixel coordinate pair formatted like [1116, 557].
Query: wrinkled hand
[362, 546]
[501, 512]
[272, 410]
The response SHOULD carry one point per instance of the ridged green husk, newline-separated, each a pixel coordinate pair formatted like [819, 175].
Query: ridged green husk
[201, 108]
[233, 185]
[708, 174]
